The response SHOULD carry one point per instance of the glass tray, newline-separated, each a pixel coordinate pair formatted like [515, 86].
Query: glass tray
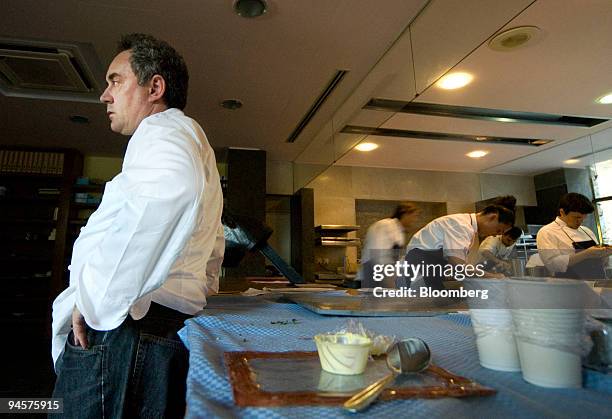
[296, 378]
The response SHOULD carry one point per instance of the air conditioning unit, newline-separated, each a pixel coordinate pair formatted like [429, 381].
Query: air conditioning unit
[50, 70]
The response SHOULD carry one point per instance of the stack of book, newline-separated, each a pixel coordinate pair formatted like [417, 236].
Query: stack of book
[35, 162]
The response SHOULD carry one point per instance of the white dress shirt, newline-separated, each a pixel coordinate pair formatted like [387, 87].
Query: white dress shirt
[495, 245]
[555, 243]
[455, 234]
[156, 236]
[383, 235]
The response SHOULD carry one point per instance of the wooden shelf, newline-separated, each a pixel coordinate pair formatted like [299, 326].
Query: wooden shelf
[21, 259]
[83, 205]
[38, 242]
[17, 175]
[88, 188]
[29, 200]
[28, 221]
[24, 285]
[330, 242]
[334, 229]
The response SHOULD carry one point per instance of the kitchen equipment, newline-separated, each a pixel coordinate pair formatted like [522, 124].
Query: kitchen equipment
[247, 234]
[405, 357]
[518, 267]
[367, 305]
[600, 357]
[537, 271]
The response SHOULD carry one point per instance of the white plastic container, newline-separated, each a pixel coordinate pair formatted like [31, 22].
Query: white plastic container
[492, 324]
[343, 353]
[549, 327]
[495, 340]
[549, 367]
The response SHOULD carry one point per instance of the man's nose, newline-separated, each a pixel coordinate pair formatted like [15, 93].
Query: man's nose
[105, 97]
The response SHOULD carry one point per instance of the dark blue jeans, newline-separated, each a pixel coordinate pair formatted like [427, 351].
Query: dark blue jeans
[136, 370]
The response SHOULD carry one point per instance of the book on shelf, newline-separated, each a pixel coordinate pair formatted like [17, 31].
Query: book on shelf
[26, 161]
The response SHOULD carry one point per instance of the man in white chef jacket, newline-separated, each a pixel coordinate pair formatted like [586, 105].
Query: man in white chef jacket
[494, 251]
[150, 254]
[567, 248]
[449, 239]
[385, 243]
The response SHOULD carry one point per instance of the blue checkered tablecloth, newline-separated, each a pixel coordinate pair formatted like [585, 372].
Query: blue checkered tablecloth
[236, 323]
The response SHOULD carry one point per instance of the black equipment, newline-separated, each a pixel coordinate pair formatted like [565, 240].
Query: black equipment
[247, 234]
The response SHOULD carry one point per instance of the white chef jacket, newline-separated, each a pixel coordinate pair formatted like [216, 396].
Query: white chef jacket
[495, 245]
[554, 242]
[455, 234]
[382, 235]
[156, 236]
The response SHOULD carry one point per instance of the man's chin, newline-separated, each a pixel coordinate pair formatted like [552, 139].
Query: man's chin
[116, 128]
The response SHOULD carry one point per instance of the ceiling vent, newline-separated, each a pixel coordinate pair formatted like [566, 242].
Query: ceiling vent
[50, 70]
[514, 38]
[314, 108]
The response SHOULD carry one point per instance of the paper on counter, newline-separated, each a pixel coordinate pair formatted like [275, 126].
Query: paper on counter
[251, 292]
[534, 260]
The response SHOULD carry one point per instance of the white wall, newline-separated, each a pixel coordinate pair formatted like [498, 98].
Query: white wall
[279, 177]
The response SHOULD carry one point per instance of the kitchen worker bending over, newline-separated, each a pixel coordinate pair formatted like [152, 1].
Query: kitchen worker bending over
[495, 251]
[148, 256]
[566, 247]
[449, 240]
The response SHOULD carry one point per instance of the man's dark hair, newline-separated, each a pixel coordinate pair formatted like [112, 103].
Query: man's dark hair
[507, 201]
[404, 208]
[514, 233]
[576, 202]
[504, 215]
[150, 56]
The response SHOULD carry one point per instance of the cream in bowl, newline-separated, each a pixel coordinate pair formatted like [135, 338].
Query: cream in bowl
[343, 353]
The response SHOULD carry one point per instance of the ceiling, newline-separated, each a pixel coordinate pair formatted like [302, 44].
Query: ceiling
[278, 64]
[563, 73]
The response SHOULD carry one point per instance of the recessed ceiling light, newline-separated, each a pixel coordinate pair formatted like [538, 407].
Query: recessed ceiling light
[605, 100]
[250, 8]
[454, 81]
[232, 104]
[540, 142]
[514, 38]
[482, 138]
[571, 161]
[505, 119]
[366, 146]
[476, 154]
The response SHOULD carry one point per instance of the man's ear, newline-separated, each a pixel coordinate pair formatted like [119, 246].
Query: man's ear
[157, 88]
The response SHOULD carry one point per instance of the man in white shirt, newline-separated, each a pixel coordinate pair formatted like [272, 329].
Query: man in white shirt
[566, 247]
[385, 241]
[148, 256]
[449, 239]
[495, 251]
